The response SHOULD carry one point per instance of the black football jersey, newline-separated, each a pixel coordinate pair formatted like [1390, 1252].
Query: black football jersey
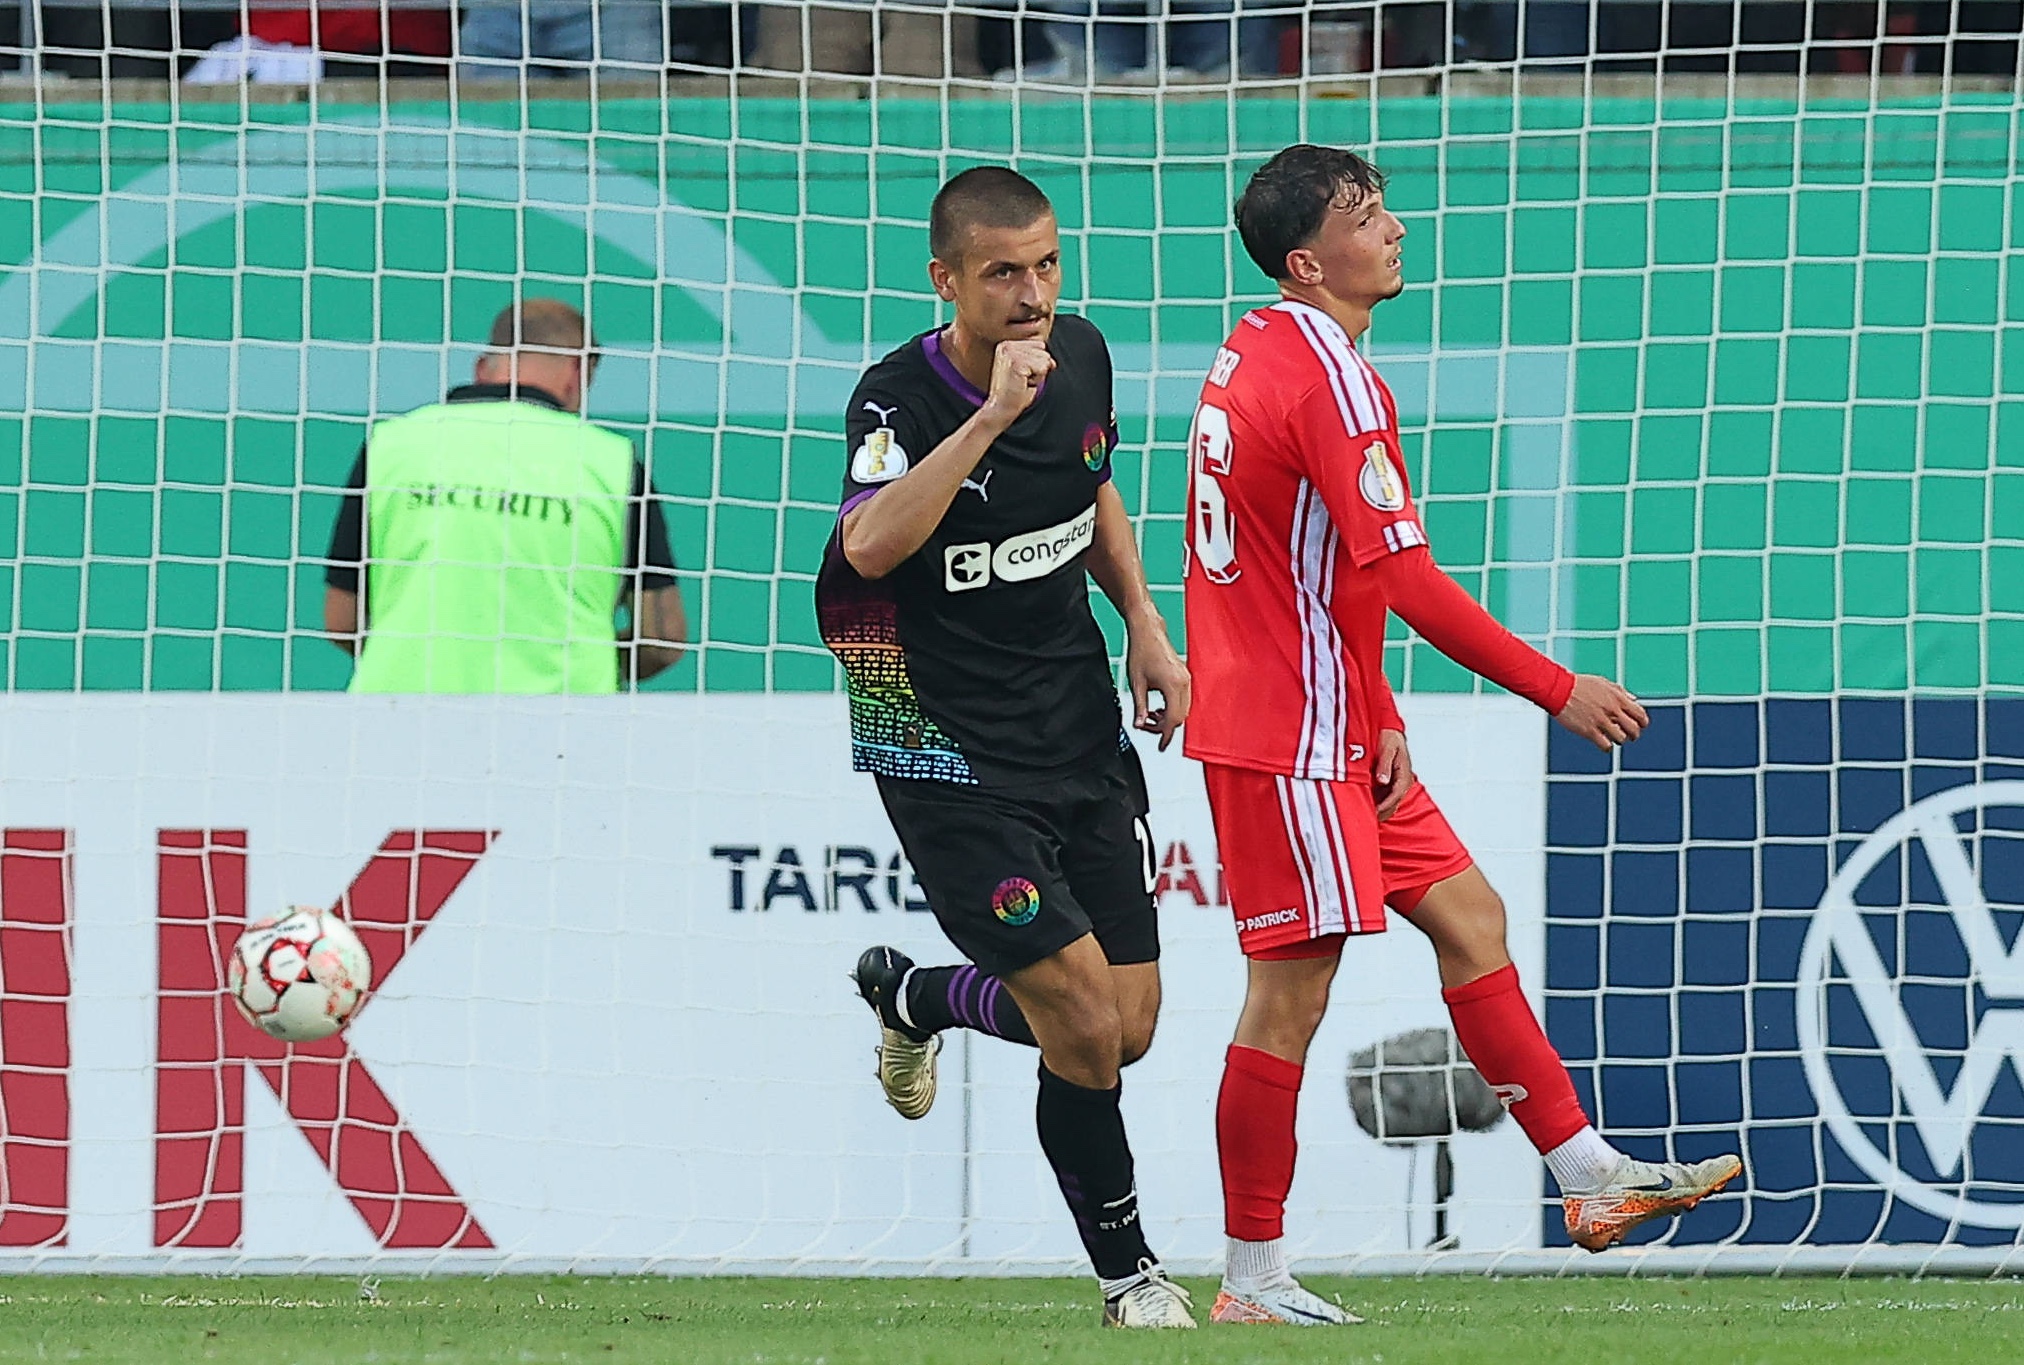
[978, 660]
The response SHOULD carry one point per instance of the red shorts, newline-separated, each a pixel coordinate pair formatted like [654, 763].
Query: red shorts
[1306, 862]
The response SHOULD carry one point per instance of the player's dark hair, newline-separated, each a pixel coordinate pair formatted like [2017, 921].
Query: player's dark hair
[983, 196]
[1286, 202]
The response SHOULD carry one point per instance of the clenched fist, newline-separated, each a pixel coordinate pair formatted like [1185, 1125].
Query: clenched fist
[1017, 371]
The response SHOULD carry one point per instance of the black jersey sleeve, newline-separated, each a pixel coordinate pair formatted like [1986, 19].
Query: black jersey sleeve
[885, 432]
[1109, 406]
[347, 534]
[650, 557]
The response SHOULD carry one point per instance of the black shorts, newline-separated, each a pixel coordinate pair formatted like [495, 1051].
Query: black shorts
[1015, 875]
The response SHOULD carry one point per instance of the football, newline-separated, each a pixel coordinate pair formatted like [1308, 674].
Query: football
[299, 976]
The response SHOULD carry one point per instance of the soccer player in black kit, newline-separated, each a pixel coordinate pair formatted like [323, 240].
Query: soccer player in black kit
[977, 506]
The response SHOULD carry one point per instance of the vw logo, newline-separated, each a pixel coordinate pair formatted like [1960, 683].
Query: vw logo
[1938, 1089]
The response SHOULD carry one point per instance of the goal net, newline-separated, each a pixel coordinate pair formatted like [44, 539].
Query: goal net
[1709, 381]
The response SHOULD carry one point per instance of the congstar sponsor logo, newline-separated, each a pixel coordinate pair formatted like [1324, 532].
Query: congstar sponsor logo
[1032, 555]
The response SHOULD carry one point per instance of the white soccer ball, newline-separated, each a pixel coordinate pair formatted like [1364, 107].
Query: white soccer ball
[299, 976]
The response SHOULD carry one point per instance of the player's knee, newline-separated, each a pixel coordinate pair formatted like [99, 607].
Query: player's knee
[1490, 908]
[1470, 925]
[1282, 1013]
[1101, 1029]
[1092, 1062]
[1293, 1020]
[1485, 925]
[1088, 1034]
[1137, 1039]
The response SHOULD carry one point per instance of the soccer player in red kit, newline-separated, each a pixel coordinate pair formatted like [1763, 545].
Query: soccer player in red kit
[1303, 534]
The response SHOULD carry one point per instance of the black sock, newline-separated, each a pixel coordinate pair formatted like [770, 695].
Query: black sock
[1082, 1133]
[964, 997]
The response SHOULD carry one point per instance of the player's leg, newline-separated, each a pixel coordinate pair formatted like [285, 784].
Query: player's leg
[992, 869]
[1257, 1106]
[966, 845]
[1070, 1003]
[1138, 1005]
[1106, 856]
[1433, 882]
[1464, 919]
[1099, 821]
[922, 1001]
[1074, 1004]
[1301, 871]
[1106, 861]
[1070, 1000]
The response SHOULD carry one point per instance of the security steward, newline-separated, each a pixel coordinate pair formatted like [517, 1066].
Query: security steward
[497, 542]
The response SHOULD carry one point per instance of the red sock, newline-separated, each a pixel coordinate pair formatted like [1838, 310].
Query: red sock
[1254, 1140]
[1495, 1027]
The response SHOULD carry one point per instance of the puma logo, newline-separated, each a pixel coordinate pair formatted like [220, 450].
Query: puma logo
[884, 415]
[981, 487]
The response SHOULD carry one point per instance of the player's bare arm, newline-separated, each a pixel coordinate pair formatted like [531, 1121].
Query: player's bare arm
[1151, 663]
[881, 533]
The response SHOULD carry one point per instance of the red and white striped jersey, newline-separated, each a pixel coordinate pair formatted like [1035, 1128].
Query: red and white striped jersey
[1296, 489]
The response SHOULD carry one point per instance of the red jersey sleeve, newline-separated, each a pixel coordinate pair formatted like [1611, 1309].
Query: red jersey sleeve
[1349, 450]
[1386, 707]
[1456, 624]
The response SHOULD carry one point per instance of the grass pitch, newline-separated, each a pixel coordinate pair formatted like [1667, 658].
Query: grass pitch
[283, 1321]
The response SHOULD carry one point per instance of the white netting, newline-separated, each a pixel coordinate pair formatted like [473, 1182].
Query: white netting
[1706, 371]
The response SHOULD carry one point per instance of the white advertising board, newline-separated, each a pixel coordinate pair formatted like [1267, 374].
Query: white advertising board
[613, 1027]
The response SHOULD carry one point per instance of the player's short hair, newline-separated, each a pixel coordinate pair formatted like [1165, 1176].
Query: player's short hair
[549, 326]
[1288, 199]
[983, 196]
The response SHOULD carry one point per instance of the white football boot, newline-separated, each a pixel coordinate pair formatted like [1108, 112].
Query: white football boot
[1287, 1303]
[1151, 1300]
[1641, 1191]
[906, 1057]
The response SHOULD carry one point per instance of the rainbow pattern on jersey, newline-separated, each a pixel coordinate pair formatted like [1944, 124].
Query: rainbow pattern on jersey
[1095, 446]
[889, 733]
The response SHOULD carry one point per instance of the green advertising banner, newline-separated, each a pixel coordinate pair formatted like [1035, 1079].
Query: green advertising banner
[1719, 397]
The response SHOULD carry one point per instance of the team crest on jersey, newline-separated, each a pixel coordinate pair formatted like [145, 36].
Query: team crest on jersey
[1016, 901]
[880, 458]
[1379, 482]
[1096, 444]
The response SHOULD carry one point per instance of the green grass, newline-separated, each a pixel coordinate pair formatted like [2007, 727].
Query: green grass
[279, 1321]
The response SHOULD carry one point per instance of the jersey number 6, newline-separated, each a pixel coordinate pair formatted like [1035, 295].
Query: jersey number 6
[1213, 536]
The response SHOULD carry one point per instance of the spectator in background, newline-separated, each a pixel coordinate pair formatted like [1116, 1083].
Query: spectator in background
[1142, 42]
[487, 543]
[294, 46]
[914, 38]
[1551, 28]
[620, 39]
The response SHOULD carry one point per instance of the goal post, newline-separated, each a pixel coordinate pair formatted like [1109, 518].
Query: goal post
[1709, 375]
